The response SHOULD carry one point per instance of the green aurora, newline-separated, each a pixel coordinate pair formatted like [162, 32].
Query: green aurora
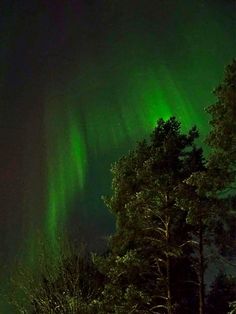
[66, 167]
[142, 63]
[118, 97]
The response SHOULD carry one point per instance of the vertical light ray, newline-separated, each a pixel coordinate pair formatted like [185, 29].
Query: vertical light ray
[66, 164]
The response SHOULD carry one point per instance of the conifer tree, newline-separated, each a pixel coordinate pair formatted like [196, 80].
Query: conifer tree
[216, 183]
[221, 166]
[151, 238]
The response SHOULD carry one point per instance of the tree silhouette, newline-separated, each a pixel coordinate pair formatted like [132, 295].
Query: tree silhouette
[151, 239]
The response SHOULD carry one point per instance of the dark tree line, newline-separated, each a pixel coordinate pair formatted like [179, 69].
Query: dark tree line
[175, 219]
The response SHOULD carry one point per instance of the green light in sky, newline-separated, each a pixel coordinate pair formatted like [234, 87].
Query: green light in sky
[116, 97]
[66, 164]
[115, 118]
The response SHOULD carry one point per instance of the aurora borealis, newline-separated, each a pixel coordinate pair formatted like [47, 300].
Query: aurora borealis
[66, 168]
[81, 82]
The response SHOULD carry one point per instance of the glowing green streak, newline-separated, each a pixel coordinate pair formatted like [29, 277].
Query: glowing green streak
[66, 166]
[131, 114]
[77, 152]
[152, 99]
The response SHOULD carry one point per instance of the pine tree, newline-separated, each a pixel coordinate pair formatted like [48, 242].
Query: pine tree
[151, 239]
[221, 166]
[216, 183]
[222, 137]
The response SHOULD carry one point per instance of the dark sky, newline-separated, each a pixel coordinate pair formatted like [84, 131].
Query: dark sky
[80, 82]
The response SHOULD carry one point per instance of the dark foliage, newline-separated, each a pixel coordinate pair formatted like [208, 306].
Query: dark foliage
[222, 293]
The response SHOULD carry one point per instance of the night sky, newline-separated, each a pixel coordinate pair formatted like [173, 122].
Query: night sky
[80, 83]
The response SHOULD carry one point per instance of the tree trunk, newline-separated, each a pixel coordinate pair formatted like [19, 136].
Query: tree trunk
[168, 279]
[169, 305]
[201, 272]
